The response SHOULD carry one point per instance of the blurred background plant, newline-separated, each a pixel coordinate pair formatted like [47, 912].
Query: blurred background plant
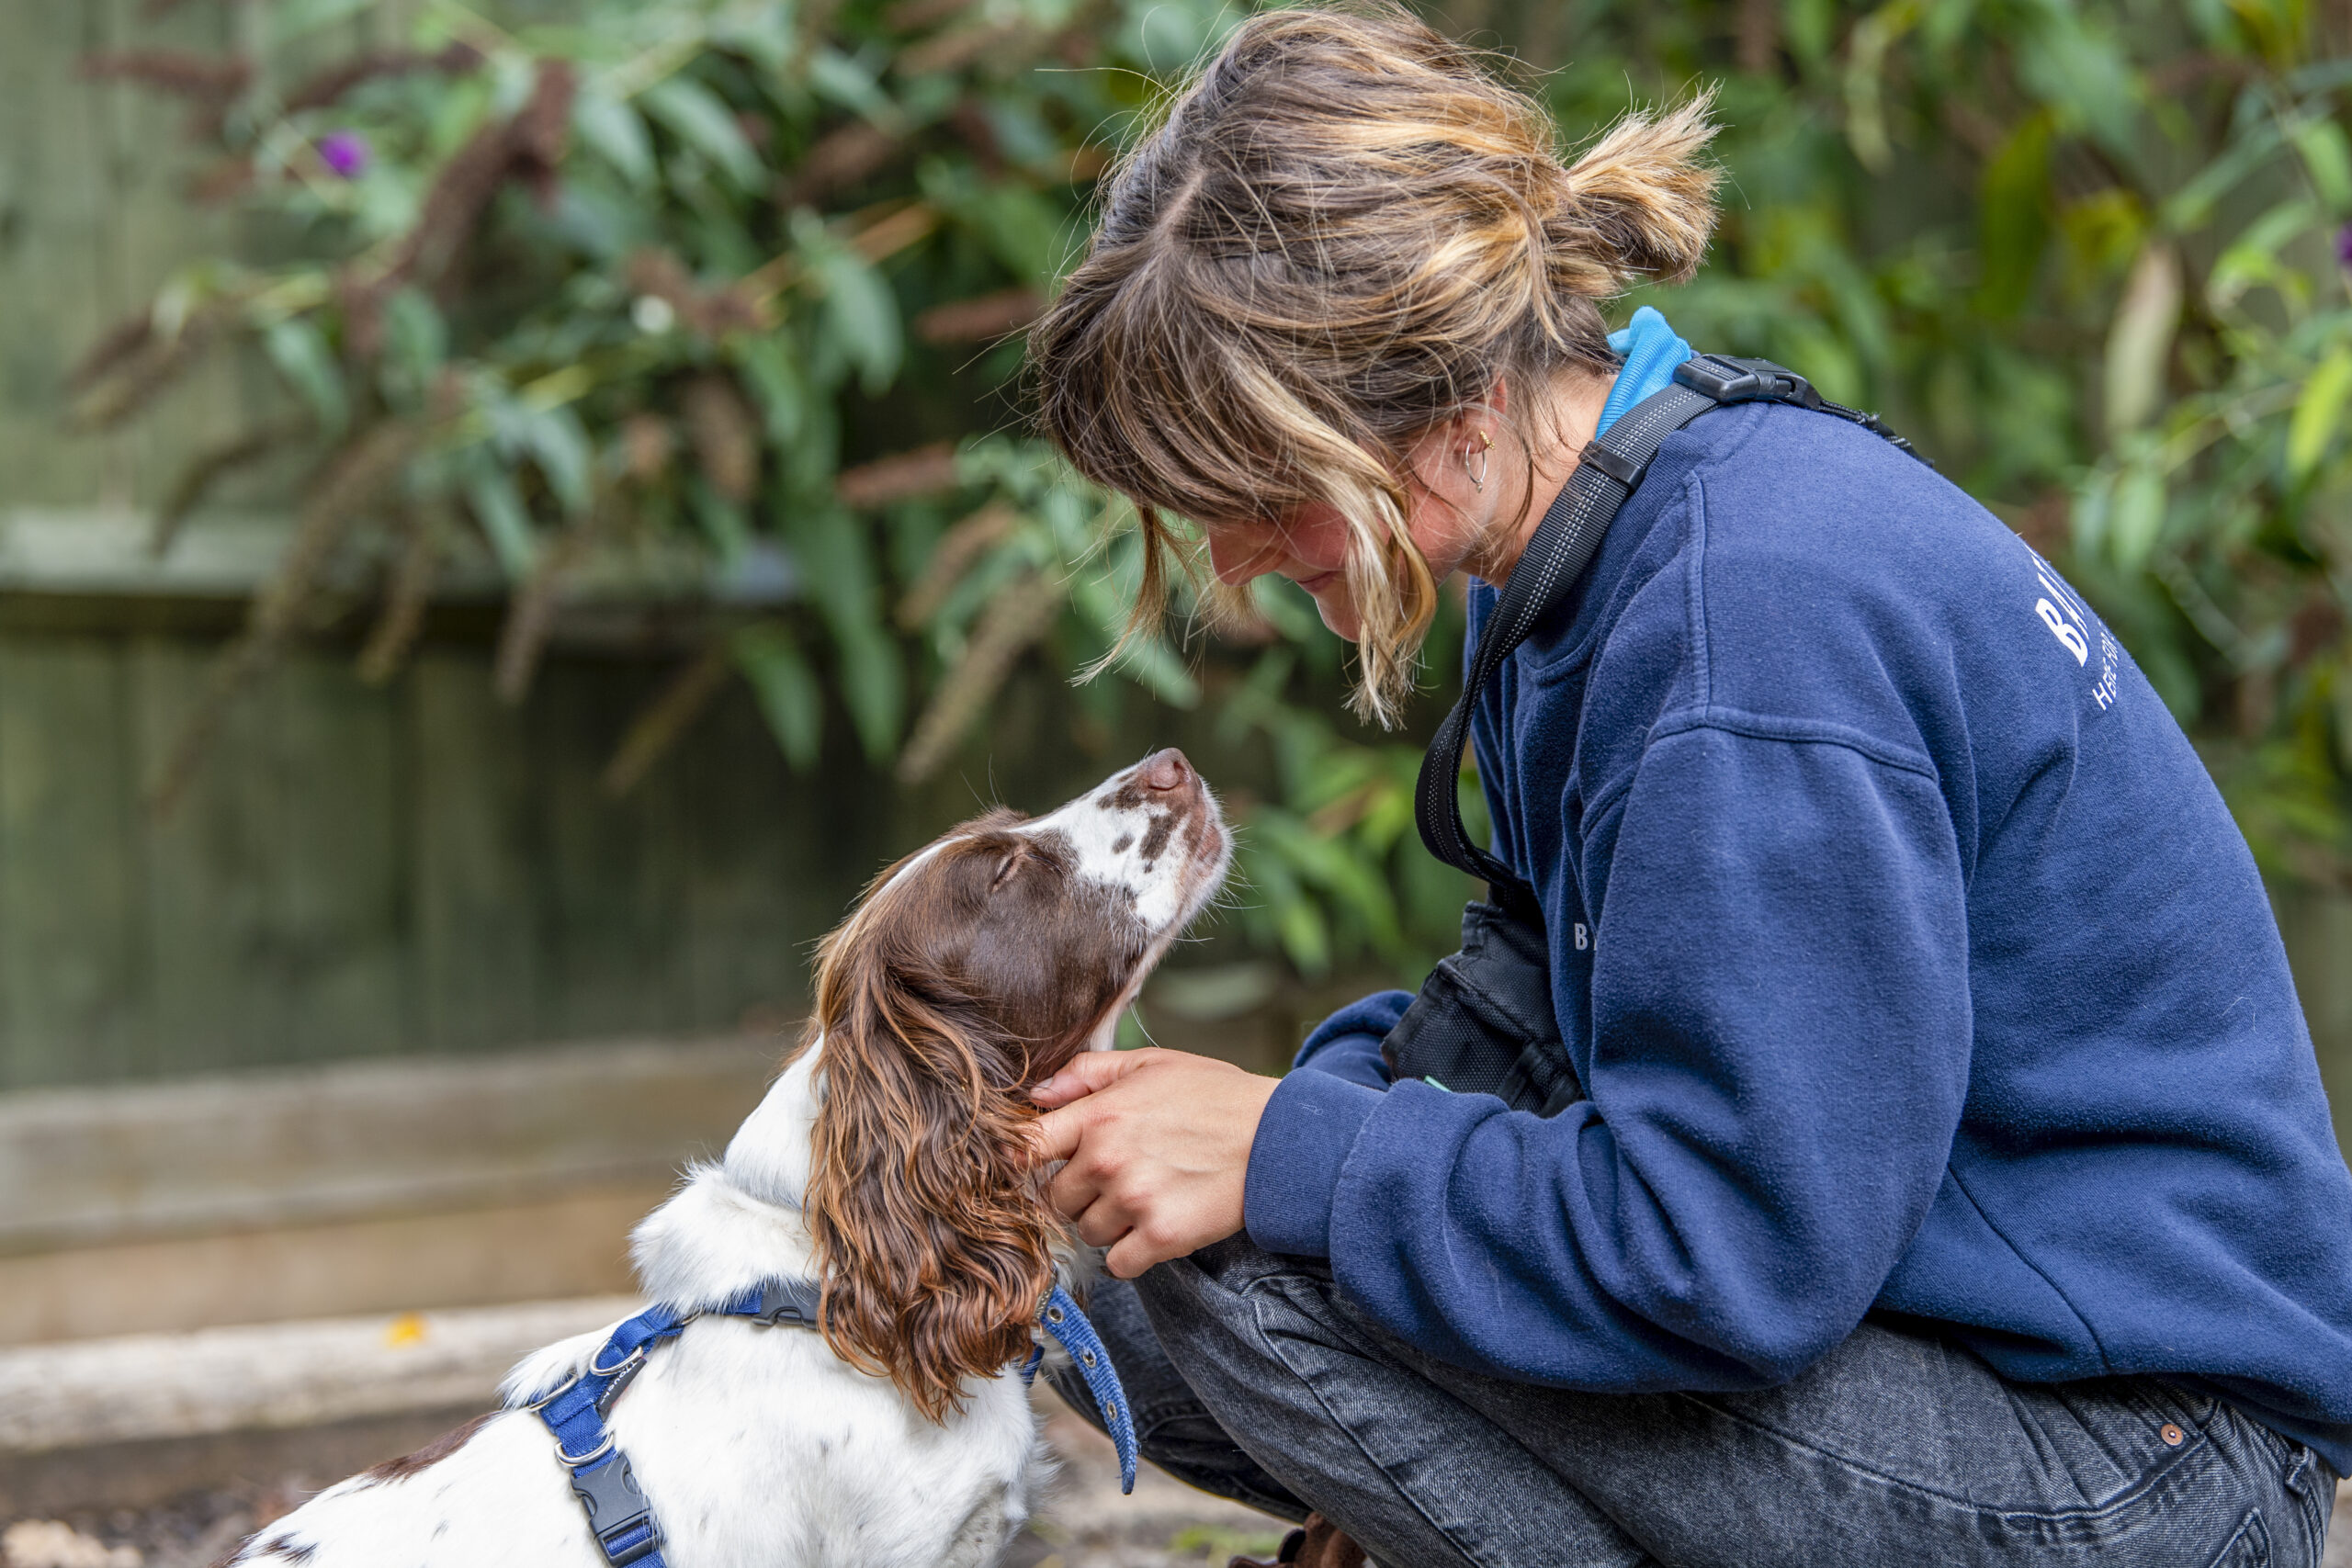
[720, 304]
[721, 300]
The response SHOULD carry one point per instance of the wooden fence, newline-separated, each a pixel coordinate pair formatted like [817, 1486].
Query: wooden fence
[360, 870]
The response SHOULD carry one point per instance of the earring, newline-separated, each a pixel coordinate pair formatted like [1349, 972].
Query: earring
[1478, 479]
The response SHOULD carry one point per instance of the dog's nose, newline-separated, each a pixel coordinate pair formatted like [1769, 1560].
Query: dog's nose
[1165, 771]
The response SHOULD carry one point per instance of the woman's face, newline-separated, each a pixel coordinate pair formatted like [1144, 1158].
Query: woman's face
[1446, 514]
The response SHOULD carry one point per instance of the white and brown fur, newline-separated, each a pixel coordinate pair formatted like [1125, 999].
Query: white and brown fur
[891, 1160]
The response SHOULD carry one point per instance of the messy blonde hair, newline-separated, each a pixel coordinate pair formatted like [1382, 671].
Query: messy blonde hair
[1342, 234]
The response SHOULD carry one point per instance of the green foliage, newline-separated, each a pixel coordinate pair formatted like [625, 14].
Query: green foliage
[741, 281]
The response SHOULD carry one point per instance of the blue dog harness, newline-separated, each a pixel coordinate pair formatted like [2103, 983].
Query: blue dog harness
[620, 1517]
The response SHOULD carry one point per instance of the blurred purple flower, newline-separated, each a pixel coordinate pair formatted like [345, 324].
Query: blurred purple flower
[346, 152]
[2344, 246]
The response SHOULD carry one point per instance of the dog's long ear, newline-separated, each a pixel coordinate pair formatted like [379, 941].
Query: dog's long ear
[921, 1201]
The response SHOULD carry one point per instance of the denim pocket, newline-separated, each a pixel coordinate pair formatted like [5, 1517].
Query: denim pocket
[2250, 1547]
[2312, 1485]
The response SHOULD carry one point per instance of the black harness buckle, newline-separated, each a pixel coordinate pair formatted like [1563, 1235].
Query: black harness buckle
[790, 1301]
[616, 1505]
[1728, 381]
[1724, 379]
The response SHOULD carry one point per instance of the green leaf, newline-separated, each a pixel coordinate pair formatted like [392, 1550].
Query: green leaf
[2074, 64]
[1810, 25]
[2136, 518]
[836, 76]
[2328, 159]
[786, 689]
[874, 685]
[497, 506]
[2191, 205]
[775, 383]
[860, 313]
[702, 119]
[293, 20]
[618, 134]
[2251, 259]
[300, 353]
[2013, 217]
[417, 338]
[834, 558]
[1873, 36]
[2318, 410]
[1306, 936]
[726, 525]
[764, 33]
[559, 442]
[1023, 230]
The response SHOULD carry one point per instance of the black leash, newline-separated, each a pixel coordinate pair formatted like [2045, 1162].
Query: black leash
[1484, 1021]
[1558, 555]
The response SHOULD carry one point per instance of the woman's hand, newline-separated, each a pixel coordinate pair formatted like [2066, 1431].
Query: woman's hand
[1158, 1148]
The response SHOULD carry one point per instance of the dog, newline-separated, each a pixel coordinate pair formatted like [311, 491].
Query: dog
[890, 1161]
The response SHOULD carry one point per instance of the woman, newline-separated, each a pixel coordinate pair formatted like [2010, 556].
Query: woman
[1954, 1184]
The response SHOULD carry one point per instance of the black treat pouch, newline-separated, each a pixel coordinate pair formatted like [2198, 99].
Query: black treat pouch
[1483, 1023]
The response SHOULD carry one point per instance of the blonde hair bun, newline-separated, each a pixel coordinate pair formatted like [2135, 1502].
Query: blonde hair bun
[1639, 204]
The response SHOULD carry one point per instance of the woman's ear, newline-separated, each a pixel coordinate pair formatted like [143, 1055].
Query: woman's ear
[927, 1217]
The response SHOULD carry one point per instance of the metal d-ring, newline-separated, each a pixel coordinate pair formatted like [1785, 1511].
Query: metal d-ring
[597, 1370]
[573, 1462]
[566, 1386]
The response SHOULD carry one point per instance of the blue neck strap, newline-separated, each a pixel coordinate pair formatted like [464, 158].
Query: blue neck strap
[619, 1514]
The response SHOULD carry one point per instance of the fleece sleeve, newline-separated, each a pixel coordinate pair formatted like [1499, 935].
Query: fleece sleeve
[1779, 1051]
[1347, 1044]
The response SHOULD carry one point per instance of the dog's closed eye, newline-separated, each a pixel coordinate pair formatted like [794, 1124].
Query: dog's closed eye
[1007, 866]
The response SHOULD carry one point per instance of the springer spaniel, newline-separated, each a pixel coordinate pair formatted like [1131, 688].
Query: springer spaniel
[890, 1162]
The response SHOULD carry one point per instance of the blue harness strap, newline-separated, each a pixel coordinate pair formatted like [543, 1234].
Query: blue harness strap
[619, 1514]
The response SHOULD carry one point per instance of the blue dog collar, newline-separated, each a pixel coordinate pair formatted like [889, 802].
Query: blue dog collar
[1061, 1318]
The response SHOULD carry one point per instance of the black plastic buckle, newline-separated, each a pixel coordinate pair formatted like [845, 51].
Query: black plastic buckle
[1727, 380]
[788, 1301]
[616, 1505]
[1614, 463]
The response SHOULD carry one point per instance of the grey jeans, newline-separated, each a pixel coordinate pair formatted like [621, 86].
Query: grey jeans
[1251, 1377]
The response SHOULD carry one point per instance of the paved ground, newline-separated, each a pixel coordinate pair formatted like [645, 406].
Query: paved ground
[1087, 1524]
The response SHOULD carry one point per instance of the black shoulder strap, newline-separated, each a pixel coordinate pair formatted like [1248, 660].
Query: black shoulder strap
[1561, 548]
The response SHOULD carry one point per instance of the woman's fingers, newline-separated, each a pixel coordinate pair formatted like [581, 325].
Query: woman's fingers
[1129, 1258]
[1084, 1074]
[1156, 1150]
[1079, 1184]
[1056, 1135]
[1101, 1224]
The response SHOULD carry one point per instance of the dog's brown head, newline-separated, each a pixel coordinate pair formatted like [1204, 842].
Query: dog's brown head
[970, 971]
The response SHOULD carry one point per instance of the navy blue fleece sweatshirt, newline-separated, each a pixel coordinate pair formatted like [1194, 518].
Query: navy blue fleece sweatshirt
[1909, 958]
